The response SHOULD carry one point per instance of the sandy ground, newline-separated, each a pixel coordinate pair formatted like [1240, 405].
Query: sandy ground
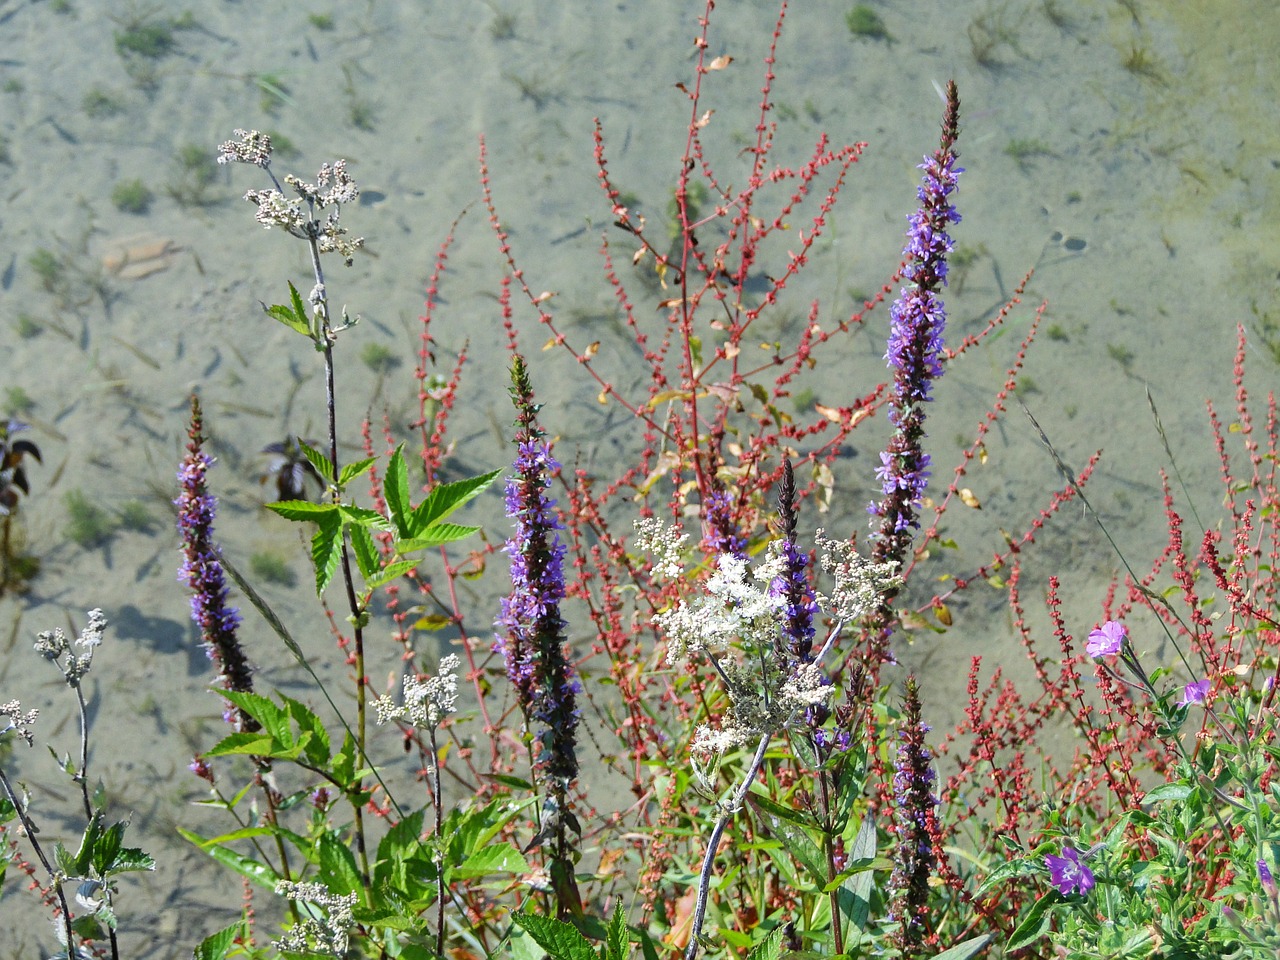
[1126, 152]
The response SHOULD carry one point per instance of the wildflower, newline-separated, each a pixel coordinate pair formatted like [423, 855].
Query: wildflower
[664, 543]
[915, 343]
[1068, 873]
[426, 702]
[1194, 692]
[533, 645]
[51, 644]
[1107, 640]
[19, 722]
[1267, 880]
[915, 819]
[202, 569]
[329, 934]
[250, 147]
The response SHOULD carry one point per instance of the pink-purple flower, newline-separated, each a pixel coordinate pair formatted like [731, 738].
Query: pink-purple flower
[1068, 872]
[1107, 640]
[1195, 692]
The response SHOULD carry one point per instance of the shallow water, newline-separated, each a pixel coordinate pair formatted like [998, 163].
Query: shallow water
[1130, 160]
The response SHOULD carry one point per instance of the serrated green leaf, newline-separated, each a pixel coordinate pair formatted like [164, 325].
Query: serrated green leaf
[367, 557]
[323, 465]
[360, 516]
[769, 947]
[216, 945]
[259, 873]
[302, 509]
[107, 848]
[317, 745]
[353, 470]
[434, 536]
[490, 859]
[293, 316]
[617, 942]
[562, 940]
[338, 864]
[392, 571]
[395, 490]
[132, 858]
[326, 549]
[446, 498]
[273, 717]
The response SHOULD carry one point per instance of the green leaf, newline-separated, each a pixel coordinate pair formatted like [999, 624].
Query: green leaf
[617, 943]
[490, 859]
[302, 509]
[259, 873]
[353, 470]
[1036, 923]
[392, 571]
[326, 549]
[1168, 791]
[323, 465]
[859, 887]
[434, 536]
[317, 737]
[963, 951]
[446, 498]
[338, 864]
[395, 490]
[769, 947]
[561, 940]
[216, 945]
[294, 317]
[366, 551]
[132, 858]
[244, 744]
[273, 717]
[359, 516]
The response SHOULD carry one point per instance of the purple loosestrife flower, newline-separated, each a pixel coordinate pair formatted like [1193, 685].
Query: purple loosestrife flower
[202, 569]
[1068, 872]
[1107, 640]
[915, 343]
[533, 640]
[1195, 692]
[915, 823]
[722, 534]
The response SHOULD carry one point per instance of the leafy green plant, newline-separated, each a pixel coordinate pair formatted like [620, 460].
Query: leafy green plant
[132, 196]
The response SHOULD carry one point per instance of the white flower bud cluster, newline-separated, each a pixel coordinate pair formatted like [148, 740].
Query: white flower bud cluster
[311, 935]
[426, 702]
[51, 644]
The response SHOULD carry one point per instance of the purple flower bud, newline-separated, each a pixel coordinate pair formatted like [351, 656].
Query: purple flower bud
[1195, 692]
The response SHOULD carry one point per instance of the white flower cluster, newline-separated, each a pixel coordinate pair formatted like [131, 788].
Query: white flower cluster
[740, 610]
[666, 544]
[19, 721]
[426, 702]
[326, 935]
[51, 644]
[732, 610]
[860, 583]
[252, 147]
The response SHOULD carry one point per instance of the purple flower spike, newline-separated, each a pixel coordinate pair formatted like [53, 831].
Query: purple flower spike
[1068, 873]
[1268, 881]
[202, 570]
[1195, 692]
[1107, 640]
[917, 320]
